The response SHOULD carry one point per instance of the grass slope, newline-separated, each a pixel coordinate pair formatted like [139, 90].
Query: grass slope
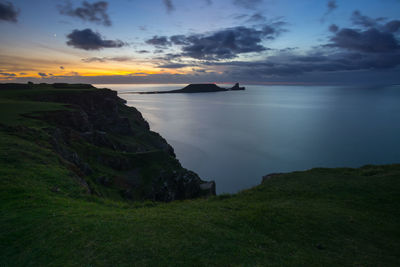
[319, 217]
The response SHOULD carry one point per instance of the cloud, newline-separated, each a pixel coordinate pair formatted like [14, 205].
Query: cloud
[364, 21]
[143, 51]
[88, 40]
[61, 67]
[105, 59]
[159, 41]
[169, 5]
[179, 40]
[223, 44]
[229, 43]
[256, 17]
[392, 26]
[291, 64]
[208, 2]
[95, 12]
[7, 74]
[371, 49]
[371, 40]
[250, 4]
[41, 74]
[333, 28]
[8, 12]
[331, 5]
[172, 66]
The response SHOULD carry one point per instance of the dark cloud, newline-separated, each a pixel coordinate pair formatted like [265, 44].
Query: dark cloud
[41, 74]
[105, 59]
[369, 41]
[179, 40]
[256, 17]
[159, 41]
[7, 74]
[288, 64]
[358, 19]
[228, 43]
[331, 5]
[373, 37]
[169, 5]
[224, 44]
[61, 67]
[88, 40]
[8, 12]
[373, 48]
[333, 28]
[392, 26]
[366, 22]
[250, 4]
[143, 51]
[172, 66]
[95, 12]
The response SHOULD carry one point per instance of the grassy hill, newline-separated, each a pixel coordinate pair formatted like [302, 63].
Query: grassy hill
[52, 214]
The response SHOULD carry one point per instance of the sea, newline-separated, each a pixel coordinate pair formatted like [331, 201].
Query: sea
[237, 137]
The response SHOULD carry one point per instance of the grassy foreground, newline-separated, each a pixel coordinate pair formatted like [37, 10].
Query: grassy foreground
[320, 217]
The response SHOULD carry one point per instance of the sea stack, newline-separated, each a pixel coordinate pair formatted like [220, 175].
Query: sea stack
[237, 87]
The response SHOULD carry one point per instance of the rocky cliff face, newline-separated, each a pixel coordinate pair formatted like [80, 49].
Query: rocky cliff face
[110, 146]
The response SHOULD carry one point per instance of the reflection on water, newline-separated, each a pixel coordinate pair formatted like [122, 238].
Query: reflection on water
[237, 137]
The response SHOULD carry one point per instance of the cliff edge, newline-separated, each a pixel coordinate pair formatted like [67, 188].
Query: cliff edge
[108, 146]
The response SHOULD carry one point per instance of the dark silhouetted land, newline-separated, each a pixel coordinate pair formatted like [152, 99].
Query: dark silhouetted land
[198, 88]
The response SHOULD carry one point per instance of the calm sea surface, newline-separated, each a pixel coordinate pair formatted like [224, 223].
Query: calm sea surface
[235, 138]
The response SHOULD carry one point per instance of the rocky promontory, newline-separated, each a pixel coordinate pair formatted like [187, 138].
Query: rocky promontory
[198, 88]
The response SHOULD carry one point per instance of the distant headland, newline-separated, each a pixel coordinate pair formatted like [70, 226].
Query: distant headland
[198, 88]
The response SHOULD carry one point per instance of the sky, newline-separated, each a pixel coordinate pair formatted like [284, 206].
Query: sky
[182, 41]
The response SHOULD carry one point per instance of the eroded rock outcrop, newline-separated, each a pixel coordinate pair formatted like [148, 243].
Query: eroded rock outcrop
[111, 146]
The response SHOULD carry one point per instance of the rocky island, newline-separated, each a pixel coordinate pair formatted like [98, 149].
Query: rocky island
[198, 88]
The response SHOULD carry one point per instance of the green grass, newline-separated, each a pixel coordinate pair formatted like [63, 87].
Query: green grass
[314, 218]
[12, 112]
[320, 217]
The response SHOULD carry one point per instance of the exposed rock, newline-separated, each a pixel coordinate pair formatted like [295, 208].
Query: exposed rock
[208, 188]
[98, 128]
[180, 185]
[59, 145]
[99, 138]
[237, 87]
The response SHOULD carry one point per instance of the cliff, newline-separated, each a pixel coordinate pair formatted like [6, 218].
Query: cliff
[107, 145]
